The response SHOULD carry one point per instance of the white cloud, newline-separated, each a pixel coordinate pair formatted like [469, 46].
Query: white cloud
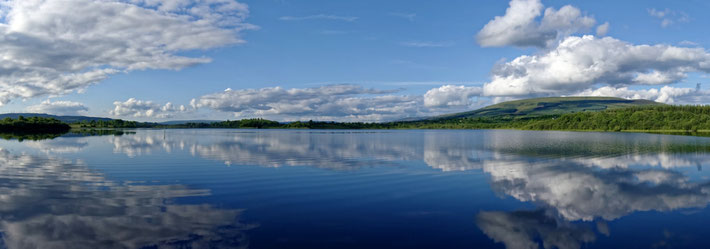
[139, 108]
[665, 94]
[520, 27]
[603, 29]
[58, 108]
[319, 17]
[338, 102]
[668, 16]
[451, 95]
[578, 63]
[53, 47]
[332, 102]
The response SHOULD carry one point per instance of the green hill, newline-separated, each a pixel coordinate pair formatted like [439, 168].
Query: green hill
[538, 107]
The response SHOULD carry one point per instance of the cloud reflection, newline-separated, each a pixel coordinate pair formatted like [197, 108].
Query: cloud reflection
[578, 192]
[50, 202]
[522, 230]
[59, 145]
[572, 178]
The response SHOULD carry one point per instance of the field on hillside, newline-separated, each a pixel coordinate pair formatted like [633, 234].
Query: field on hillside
[538, 107]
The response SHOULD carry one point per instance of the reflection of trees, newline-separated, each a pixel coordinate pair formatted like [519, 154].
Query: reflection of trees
[49, 202]
[557, 144]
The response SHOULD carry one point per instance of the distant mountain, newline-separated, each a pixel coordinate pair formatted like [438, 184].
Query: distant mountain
[66, 119]
[548, 106]
[179, 122]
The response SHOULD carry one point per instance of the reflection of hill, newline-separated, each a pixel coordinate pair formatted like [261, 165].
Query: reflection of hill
[50, 202]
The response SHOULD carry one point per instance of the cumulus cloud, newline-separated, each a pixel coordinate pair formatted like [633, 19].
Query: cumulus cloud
[327, 102]
[58, 108]
[319, 17]
[339, 102]
[520, 25]
[451, 95]
[578, 63]
[665, 94]
[140, 108]
[47, 48]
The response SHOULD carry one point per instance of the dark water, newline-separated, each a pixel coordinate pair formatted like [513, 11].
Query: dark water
[355, 189]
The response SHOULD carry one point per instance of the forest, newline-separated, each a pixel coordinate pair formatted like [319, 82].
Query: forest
[32, 125]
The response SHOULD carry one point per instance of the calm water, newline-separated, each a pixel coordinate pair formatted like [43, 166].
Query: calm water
[355, 189]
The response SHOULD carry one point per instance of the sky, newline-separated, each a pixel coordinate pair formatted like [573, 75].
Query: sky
[285, 60]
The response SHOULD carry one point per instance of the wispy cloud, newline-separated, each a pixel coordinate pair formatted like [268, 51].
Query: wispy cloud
[333, 32]
[689, 43]
[408, 16]
[427, 44]
[669, 17]
[319, 17]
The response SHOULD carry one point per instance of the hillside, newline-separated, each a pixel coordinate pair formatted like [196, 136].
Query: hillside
[537, 107]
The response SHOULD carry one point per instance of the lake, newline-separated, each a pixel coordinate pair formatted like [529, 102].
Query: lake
[222, 188]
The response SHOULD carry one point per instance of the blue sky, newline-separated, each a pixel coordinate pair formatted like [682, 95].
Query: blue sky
[382, 58]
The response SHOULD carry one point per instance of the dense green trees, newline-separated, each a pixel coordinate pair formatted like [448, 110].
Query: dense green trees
[32, 125]
[115, 123]
[685, 118]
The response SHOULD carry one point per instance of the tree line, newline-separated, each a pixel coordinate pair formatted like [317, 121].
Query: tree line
[642, 118]
[32, 125]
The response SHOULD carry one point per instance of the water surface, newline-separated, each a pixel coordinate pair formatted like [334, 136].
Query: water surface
[222, 188]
